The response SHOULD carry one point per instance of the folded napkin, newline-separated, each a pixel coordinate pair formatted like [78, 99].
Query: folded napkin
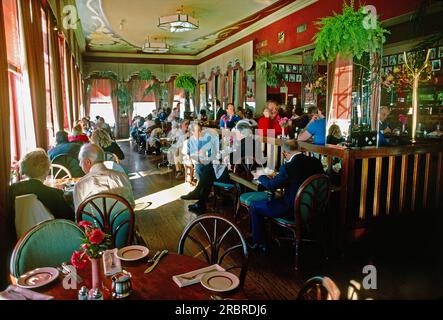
[111, 263]
[193, 277]
[16, 293]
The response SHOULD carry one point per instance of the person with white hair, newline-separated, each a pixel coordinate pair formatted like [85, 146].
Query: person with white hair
[35, 166]
[98, 178]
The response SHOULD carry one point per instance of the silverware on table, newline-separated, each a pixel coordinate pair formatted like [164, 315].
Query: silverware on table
[198, 274]
[157, 260]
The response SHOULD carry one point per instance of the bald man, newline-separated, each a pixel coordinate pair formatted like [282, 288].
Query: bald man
[98, 178]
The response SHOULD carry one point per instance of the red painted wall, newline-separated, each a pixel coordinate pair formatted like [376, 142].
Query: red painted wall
[386, 9]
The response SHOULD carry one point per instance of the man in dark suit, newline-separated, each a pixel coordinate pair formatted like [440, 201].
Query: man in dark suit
[292, 174]
[63, 146]
[219, 111]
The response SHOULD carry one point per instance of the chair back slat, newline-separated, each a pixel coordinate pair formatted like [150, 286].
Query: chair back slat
[112, 214]
[217, 241]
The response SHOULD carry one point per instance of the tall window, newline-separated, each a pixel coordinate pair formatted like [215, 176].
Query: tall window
[22, 125]
[101, 102]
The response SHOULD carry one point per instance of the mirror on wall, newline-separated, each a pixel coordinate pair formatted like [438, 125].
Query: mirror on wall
[203, 90]
[249, 101]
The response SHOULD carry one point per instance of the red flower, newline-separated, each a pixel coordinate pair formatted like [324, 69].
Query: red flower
[85, 246]
[79, 259]
[85, 224]
[96, 236]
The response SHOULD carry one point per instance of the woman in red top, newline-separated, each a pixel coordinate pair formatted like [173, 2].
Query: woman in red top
[78, 135]
[265, 123]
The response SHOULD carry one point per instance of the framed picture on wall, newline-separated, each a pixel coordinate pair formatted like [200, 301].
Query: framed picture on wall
[433, 54]
[292, 77]
[440, 52]
[385, 62]
[281, 37]
[436, 65]
[388, 70]
[392, 60]
[286, 77]
[401, 58]
[295, 68]
[288, 68]
[298, 78]
[281, 67]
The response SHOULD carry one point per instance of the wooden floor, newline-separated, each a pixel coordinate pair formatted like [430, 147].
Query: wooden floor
[161, 217]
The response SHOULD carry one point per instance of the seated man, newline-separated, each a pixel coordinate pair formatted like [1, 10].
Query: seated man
[98, 178]
[215, 171]
[35, 165]
[63, 146]
[178, 137]
[316, 128]
[291, 175]
[384, 126]
[230, 119]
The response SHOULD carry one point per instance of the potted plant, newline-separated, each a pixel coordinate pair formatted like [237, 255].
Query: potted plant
[188, 83]
[356, 38]
[269, 70]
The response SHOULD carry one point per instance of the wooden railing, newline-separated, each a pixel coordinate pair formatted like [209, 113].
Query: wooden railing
[374, 183]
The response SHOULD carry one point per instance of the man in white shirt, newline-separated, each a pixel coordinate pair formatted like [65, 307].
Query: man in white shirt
[98, 178]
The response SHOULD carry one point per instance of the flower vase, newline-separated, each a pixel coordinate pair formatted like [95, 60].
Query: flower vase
[95, 271]
[283, 134]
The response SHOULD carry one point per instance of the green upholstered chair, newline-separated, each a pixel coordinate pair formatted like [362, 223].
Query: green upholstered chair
[112, 214]
[311, 202]
[230, 189]
[246, 199]
[48, 244]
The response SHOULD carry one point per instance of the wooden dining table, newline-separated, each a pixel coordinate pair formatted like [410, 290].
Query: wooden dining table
[156, 285]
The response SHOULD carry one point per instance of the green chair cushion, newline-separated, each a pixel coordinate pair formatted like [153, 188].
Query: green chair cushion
[250, 197]
[224, 185]
[284, 221]
[47, 245]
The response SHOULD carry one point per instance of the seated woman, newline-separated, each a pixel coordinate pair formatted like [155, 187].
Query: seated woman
[334, 135]
[35, 166]
[101, 137]
[78, 135]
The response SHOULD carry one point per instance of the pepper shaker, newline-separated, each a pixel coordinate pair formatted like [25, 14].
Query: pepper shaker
[83, 293]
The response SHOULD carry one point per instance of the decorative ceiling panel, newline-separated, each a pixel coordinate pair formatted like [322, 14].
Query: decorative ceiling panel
[123, 26]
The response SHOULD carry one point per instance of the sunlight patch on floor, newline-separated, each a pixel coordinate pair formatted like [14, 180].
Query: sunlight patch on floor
[161, 198]
[142, 174]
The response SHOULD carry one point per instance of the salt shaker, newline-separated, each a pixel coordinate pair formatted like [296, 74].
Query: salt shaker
[83, 293]
[96, 294]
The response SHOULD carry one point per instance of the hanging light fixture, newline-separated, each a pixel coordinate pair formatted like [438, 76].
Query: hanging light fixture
[179, 22]
[155, 46]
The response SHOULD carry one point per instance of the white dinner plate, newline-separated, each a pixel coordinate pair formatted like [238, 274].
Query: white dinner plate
[220, 281]
[132, 253]
[38, 278]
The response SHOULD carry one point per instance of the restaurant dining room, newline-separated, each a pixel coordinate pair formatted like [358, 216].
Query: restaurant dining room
[244, 151]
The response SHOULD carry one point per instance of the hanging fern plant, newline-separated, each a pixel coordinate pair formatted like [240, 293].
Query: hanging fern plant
[186, 82]
[124, 96]
[349, 34]
[269, 70]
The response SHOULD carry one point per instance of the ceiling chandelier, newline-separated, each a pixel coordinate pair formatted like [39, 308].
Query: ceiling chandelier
[155, 46]
[179, 22]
